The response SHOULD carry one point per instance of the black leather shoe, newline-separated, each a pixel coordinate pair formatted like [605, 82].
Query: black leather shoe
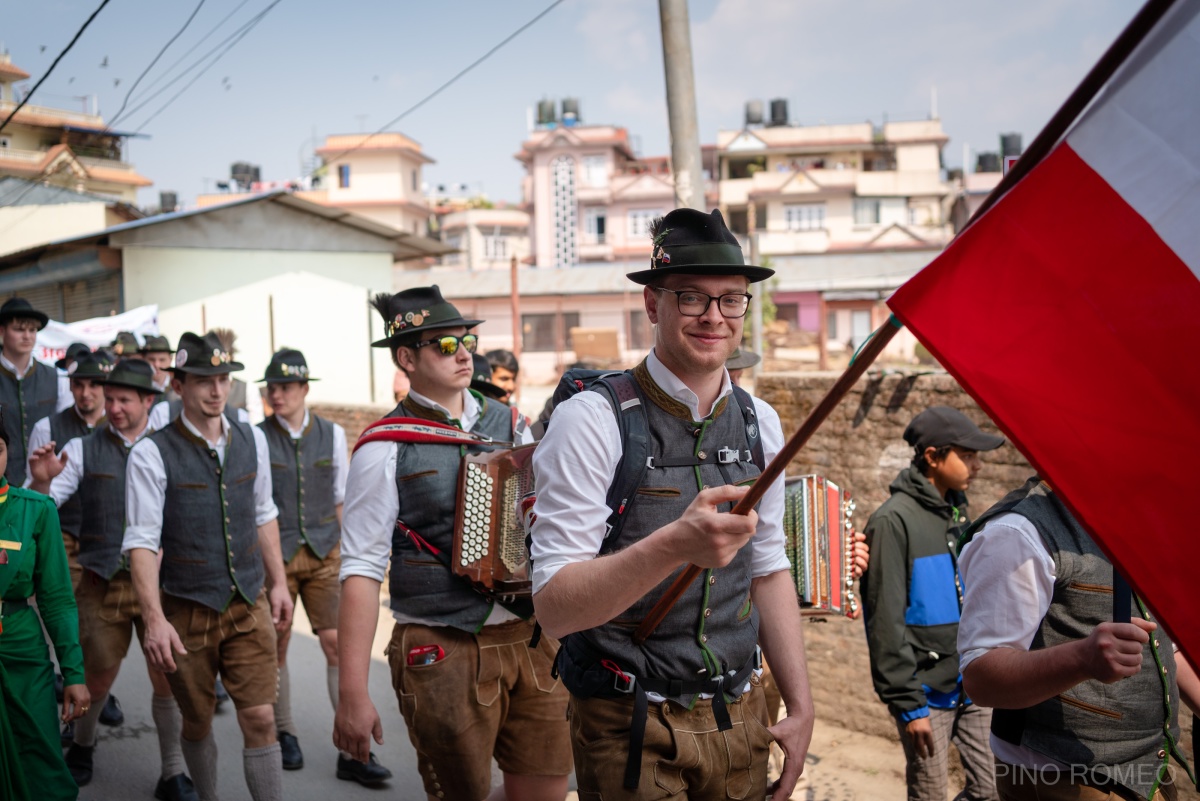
[222, 695]
[289, 747]
[67, 736]
[112, 714]
[368, 774]
[79, 762]
[177, 788]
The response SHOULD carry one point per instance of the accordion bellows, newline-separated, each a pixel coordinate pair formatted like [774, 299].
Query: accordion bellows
[818, 535]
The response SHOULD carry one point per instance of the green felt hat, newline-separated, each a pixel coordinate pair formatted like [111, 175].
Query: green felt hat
[287, 366]
[157, 344]
[96, 366]
[126, 344]
[14, 308]
[135, 374]
[203, 355]
[690, 242]
[409, 314]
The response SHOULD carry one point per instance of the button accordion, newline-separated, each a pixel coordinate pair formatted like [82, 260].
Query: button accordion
[495, 493]
[819, 539]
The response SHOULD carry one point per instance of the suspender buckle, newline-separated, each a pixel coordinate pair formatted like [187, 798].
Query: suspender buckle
[730, 456]
[649, 462]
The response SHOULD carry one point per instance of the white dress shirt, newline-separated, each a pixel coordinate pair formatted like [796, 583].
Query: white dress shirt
[66, 483]
[341, 464]
[65, 399]
[39, 437]
[146, 486]
[160, 415]
[372, 507]
[577, 460]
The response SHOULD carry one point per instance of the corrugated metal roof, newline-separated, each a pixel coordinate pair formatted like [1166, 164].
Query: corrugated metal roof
[19, 192]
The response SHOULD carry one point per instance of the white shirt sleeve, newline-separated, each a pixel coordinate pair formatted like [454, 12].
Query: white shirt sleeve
[370, 511]
[39, 436]
[255, 413]
[65, 399]
[160, 416]
[768, 543]
[145, 496]
[573, 466]
[243, 416]
[264, 500]
[341, 464]
[66, 483]
[1008, 583]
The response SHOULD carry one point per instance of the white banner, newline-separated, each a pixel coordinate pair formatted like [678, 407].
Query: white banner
[56, 337]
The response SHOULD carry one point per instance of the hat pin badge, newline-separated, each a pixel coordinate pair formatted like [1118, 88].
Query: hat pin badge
[181, 357]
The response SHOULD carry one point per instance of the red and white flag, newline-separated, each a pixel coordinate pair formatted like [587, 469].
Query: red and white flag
[1071, 311]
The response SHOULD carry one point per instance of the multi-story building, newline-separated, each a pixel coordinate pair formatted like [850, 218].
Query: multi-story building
[377, 176]
[54, 146]
[485, 238]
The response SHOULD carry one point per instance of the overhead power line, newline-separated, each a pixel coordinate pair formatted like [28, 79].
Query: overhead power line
[448, 83]
[155, 81]
[54, 64]
[150, 66]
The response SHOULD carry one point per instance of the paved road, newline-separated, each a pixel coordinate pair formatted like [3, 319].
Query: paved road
[127, 760]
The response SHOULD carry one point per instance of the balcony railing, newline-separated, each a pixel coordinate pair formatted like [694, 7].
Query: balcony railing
[68, 117]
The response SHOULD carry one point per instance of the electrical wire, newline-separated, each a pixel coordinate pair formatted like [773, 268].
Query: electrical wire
[244, 32]
[54, 64]
[236, 35]
[156, 81]
[444, 86]
[150, 66]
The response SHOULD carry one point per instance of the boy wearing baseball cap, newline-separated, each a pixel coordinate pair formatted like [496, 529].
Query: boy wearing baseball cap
[912, 598]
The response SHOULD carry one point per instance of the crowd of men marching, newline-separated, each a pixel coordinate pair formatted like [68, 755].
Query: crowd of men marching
[187, 525]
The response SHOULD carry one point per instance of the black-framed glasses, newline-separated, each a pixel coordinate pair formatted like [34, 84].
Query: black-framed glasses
[448, 345]
[695, 304]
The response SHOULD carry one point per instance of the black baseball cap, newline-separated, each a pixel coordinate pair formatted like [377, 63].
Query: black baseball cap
[938, 426]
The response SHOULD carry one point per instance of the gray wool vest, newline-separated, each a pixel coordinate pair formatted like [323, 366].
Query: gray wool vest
[713, 628]
[64, 427]
[209, 539]
[102, 493]
[25, 402]
[427, 485]
[1123, 732]
[302, 480]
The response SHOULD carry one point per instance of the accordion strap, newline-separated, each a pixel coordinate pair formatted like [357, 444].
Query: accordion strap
[411, 429]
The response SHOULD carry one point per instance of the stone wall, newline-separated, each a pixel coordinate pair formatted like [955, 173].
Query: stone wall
[352, 418]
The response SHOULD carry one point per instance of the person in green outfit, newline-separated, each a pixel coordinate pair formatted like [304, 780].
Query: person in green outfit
[33, 562]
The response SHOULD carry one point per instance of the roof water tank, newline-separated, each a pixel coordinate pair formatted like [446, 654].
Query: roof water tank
[1010, 144]
[547, 112]
[168, 202]
[570, 111]
[754, 112]
[987, 162]
[779, 112]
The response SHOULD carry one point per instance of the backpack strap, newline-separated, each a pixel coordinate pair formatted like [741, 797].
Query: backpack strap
[753, 436]
[629, 409]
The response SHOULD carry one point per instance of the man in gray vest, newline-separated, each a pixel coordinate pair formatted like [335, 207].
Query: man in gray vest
[87, 373]
[1085, 708]
[89, 471]
[29, 390]
[470, 686]
[309, 461]
[200, 490]
[682, 715]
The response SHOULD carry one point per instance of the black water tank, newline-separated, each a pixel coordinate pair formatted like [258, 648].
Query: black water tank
[1010, 144]
[244, 174]
[754, 112]
[570, 111]
[779, 115]
[168, 202]
[547, 112]
[987, 162]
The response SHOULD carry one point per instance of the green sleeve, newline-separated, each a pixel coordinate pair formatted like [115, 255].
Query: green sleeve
[885, 601]
[52, 586]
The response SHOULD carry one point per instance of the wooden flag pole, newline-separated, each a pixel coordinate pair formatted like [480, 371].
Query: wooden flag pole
[871, 350]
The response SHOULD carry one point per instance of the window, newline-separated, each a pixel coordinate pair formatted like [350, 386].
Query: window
[639, 222]
[866, 211]
[5, 143]
[804, 216]
[547, 332]
[641, 330]
[760, 217]
[831, 331]
[595, 220]
[595, 171]
[414, 180]
[566, 224]
[495, 248]
[455, 241]
[343, 176]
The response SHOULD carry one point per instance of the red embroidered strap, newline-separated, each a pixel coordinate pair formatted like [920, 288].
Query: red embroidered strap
[417, 540]
[410, 429]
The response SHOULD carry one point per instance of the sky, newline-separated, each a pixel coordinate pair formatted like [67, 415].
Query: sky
[309, 69]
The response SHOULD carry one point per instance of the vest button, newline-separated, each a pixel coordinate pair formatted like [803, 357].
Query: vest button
[701, 455]
[1161, 753]
[223, 487]
[703, 638]
[1156, 643]
[712, 580]
[1164, 670]
[233, 588]
[231, 554]
[708, 613]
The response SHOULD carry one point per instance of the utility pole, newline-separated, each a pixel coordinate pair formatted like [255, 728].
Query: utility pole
[681, 104]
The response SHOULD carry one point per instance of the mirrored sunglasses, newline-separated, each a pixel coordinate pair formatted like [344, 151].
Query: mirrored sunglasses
[448, 345]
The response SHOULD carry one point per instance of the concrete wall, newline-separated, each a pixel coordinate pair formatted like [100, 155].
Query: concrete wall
[25, 226]
[316, 302]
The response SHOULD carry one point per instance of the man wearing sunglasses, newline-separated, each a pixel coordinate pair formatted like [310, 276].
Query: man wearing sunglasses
[470, 687]
[683, 714]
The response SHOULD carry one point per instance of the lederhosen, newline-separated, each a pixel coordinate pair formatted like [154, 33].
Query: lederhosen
[708, 642]
[25, 401]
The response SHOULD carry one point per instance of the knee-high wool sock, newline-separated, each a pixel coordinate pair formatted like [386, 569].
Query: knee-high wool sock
[264, 772]
[85, 727]
[201, 758]
[169, 724]
[283, 706]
